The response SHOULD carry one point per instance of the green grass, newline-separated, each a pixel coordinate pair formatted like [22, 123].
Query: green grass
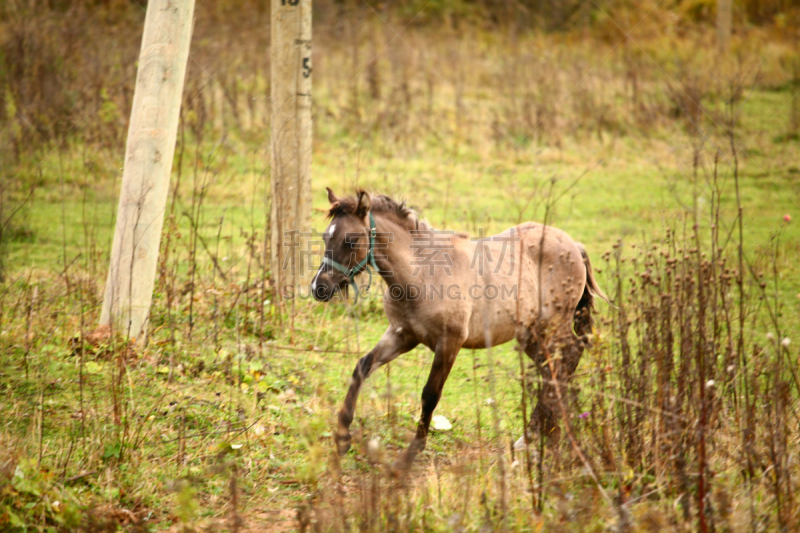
[621, 188]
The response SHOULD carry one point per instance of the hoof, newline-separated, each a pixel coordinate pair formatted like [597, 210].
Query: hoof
[342, 444]
[395, 470]
[401, 465]
[406, 459]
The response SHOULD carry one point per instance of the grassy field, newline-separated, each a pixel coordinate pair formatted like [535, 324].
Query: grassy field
[225, 419]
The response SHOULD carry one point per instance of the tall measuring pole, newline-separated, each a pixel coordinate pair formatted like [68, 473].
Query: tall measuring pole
[147, 167]
[290, 91]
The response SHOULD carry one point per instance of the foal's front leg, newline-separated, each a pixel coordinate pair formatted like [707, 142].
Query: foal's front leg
[393, 344]
[443, 359]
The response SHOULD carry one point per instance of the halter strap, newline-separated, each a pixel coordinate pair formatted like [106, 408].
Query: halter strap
[368, 261]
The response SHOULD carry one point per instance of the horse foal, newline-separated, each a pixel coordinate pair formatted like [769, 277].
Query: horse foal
[531, 283]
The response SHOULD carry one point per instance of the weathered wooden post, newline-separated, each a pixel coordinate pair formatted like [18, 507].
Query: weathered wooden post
[290, 91]
[147, 167]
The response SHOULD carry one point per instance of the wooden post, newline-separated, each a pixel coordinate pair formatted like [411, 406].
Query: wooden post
[290, 91]
[724, 18]
[148, 164]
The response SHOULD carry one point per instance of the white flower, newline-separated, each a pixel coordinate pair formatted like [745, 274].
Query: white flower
[770, 336]
[441, 423]
[488, 401]
[710, 384]
[785, 342]
[731, 368]
[373, 446]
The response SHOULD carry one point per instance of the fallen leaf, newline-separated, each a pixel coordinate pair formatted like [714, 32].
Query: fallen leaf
[99, 335]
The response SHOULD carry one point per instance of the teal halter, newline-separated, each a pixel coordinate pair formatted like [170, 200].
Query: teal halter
[368, 261]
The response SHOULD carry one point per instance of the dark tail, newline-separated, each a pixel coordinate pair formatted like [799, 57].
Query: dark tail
[583, 313]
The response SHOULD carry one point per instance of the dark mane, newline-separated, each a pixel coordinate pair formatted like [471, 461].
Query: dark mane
[381, 204]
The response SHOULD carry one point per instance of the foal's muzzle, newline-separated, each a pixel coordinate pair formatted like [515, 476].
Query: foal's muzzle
[326, 284]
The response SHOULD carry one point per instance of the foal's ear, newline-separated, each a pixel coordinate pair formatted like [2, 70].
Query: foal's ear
[364, 203]
[331, 197]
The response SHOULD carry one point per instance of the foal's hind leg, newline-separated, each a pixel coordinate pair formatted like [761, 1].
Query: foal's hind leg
[393, 344]
[556, 355]
[542, 420]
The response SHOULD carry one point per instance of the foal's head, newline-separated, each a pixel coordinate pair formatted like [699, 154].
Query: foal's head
[346, 244]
